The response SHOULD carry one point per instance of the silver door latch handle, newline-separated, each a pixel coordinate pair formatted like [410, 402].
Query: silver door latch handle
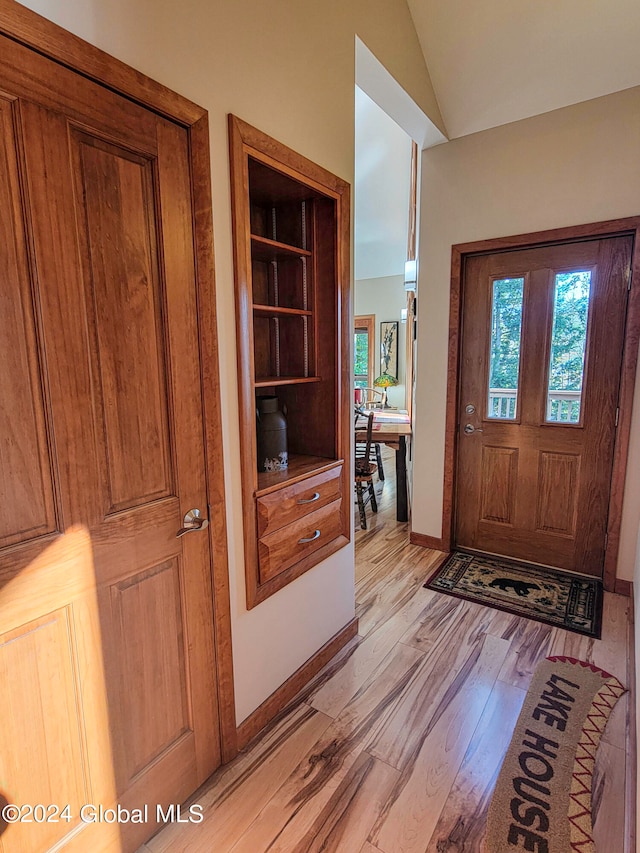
[469, 429]
[193, 520]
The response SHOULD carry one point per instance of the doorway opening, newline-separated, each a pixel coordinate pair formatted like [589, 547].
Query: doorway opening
[364, 350]
[386, 227]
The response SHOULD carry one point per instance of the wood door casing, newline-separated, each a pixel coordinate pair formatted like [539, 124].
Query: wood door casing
[526, 488]
[367, 323]
[106, 618]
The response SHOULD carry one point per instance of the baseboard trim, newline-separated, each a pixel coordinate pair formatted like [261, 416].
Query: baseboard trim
[427, 541]
[623, 587]
[278, 700]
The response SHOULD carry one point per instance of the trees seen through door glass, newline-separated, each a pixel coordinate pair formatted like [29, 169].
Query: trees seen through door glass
[568, 346]
[566, 354]
[504, 364]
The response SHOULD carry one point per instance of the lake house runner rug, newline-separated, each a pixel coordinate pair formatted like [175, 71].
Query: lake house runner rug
[567, 601]
[542, 799]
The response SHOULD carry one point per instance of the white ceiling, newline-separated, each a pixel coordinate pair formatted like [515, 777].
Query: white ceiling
[499, 61]
[490, 62]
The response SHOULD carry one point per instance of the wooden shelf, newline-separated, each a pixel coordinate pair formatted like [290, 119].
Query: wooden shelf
[263, 249]
[299, 468]
[278, 193]
[268, 381]
[277, 311]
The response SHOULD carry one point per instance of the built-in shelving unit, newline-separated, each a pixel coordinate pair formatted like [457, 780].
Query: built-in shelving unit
[291, 252]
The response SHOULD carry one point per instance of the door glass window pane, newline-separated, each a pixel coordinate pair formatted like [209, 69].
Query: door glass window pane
[504, 364]
[568, 345]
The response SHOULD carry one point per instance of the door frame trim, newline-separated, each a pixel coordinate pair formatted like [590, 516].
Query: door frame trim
[595, 230]
[368, 322]
[37, 33]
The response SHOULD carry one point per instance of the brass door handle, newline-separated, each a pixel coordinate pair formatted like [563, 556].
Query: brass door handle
[193, 520]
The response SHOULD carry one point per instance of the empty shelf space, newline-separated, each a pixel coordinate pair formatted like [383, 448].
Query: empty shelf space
[264, 249]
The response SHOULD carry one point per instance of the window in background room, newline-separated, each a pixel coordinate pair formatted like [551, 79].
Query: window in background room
[364, 351]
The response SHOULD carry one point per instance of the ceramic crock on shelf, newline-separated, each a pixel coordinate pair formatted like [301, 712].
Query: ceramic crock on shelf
[271, 435]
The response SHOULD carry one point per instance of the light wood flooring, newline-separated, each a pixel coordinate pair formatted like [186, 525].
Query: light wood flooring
[395, 746]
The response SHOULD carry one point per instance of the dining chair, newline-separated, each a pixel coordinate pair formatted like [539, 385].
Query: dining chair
[371, 398]
[365, 468]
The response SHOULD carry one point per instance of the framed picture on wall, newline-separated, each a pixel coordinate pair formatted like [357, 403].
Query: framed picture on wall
[389, 348]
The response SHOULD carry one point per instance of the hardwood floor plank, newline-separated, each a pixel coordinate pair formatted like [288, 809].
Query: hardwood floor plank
[345, 821]
[504, 624]
[369, 848]
[298, 802]
[437, 617]
[607, 798]
[376, 546]
[327, 672]
[396, 581]
[530, 642]
[615, 621]
[461, 826]
[414, 805]
[439, 678]
[414, 718]
[333, 696]
[237, 794]
[571, 644]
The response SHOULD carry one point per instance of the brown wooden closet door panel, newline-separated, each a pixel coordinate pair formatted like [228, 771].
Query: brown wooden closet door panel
[103, 372]
[26, 485]
[119, 243]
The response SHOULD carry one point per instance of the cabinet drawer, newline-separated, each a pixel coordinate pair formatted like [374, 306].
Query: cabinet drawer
[285, 547]
[280, 508]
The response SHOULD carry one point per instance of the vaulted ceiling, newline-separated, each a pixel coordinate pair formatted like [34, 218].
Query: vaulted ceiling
[498, 61]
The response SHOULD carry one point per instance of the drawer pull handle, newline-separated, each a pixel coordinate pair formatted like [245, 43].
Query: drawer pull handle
[314, 497]
[309, 538]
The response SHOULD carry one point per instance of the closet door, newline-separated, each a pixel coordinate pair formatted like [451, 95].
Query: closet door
[107, 660]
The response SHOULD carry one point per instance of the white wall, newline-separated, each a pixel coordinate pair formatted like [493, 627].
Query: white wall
[575, 165]
[289, 69]
[382, 188]
[498, 61]
[385, 297]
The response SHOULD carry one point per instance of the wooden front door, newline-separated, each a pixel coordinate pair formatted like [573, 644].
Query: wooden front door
[542, 340]
[107, 661]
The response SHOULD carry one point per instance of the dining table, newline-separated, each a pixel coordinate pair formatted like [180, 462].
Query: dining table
[393, 428]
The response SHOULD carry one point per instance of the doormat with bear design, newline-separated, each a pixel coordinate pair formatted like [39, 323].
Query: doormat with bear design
[573, 602]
